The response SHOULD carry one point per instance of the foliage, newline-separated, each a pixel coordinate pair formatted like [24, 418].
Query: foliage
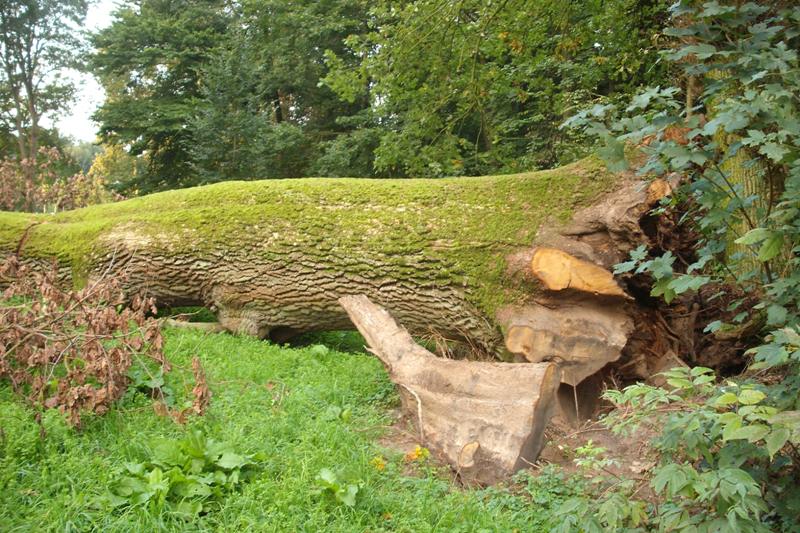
[71, 349]
[341, 491]
[211, 91]
[39, 40]
[750, 121]
[729, 450]
[42, 184]
[117, 169]
[728, 456]
[185, 476]
[150, 61]
[264, 112]
[84, 154]
[476, 87]
[268, 399]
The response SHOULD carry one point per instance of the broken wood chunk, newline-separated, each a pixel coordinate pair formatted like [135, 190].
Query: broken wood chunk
[558, 270]
[581, 335]
[485, 419]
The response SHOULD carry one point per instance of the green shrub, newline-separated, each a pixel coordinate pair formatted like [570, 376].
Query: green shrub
[182, 476]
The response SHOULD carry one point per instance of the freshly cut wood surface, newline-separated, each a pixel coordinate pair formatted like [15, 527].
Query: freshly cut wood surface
[558, 270]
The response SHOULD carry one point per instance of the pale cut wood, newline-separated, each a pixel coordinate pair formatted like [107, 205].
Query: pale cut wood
[582, 335]
[486, 419]
[558, 270]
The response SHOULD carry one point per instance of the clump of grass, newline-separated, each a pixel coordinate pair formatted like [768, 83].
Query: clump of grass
[270, 400]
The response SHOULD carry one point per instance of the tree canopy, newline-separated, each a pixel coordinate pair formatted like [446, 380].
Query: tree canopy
[209, 91]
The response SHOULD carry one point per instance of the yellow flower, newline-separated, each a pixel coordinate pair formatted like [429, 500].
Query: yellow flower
[378, 462]
[417, 454]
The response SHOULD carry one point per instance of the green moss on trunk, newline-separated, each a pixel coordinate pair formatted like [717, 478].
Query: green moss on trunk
[464, 225]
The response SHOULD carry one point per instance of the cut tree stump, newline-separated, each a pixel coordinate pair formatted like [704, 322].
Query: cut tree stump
[485, 419]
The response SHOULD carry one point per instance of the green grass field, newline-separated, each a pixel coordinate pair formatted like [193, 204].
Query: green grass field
[277, 401]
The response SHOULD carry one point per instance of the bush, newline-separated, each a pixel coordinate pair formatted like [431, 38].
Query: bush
[729, 450]
[72, 349]
[40, 185]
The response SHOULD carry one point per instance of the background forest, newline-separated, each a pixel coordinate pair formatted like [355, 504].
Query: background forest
[207, 91]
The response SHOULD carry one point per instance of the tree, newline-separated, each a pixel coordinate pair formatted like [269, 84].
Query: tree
[264, 112]
[38, 40]
[116, 168]
[271, 256]
[477, 87]
[452, 259]
[150, 61]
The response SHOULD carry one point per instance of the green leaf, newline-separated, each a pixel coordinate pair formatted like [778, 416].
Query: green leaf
[751, 396]
[169, 453]
[752, 433]
[192, 488]
[613, 153]
[776, 439]
[726, 399]
[348, 495]
[790, 419]
[774, 151]
[327, 476]
[231, 460]
[771, 247]
[776, 315]
[754, 236]
[128, 486]
[189, 509]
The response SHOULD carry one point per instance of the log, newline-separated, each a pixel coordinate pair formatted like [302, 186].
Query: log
[486, 419]
[273, 256]
[583, 336]
[449, 256]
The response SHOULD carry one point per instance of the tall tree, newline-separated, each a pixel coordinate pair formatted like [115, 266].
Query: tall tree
[150, 61]
[38, 40]
[265, 113]
[474, 87]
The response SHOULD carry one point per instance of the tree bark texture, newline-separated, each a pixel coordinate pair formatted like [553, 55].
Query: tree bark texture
[513, 266]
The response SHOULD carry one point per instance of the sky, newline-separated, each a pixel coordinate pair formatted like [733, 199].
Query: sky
[77, 122]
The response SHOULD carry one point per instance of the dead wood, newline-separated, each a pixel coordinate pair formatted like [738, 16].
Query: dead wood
[485, 419]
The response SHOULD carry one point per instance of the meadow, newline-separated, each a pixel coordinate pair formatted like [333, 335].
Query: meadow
[300, 414]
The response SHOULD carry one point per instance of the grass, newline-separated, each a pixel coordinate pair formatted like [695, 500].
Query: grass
[266, 399]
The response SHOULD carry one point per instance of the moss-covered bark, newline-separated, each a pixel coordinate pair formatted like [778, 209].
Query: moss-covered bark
[274, 256]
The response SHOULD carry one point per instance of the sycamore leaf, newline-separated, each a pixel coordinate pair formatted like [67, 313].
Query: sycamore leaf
[774, 151]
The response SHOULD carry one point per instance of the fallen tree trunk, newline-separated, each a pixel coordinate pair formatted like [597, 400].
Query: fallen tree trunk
[487, 420]
[511, 265]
